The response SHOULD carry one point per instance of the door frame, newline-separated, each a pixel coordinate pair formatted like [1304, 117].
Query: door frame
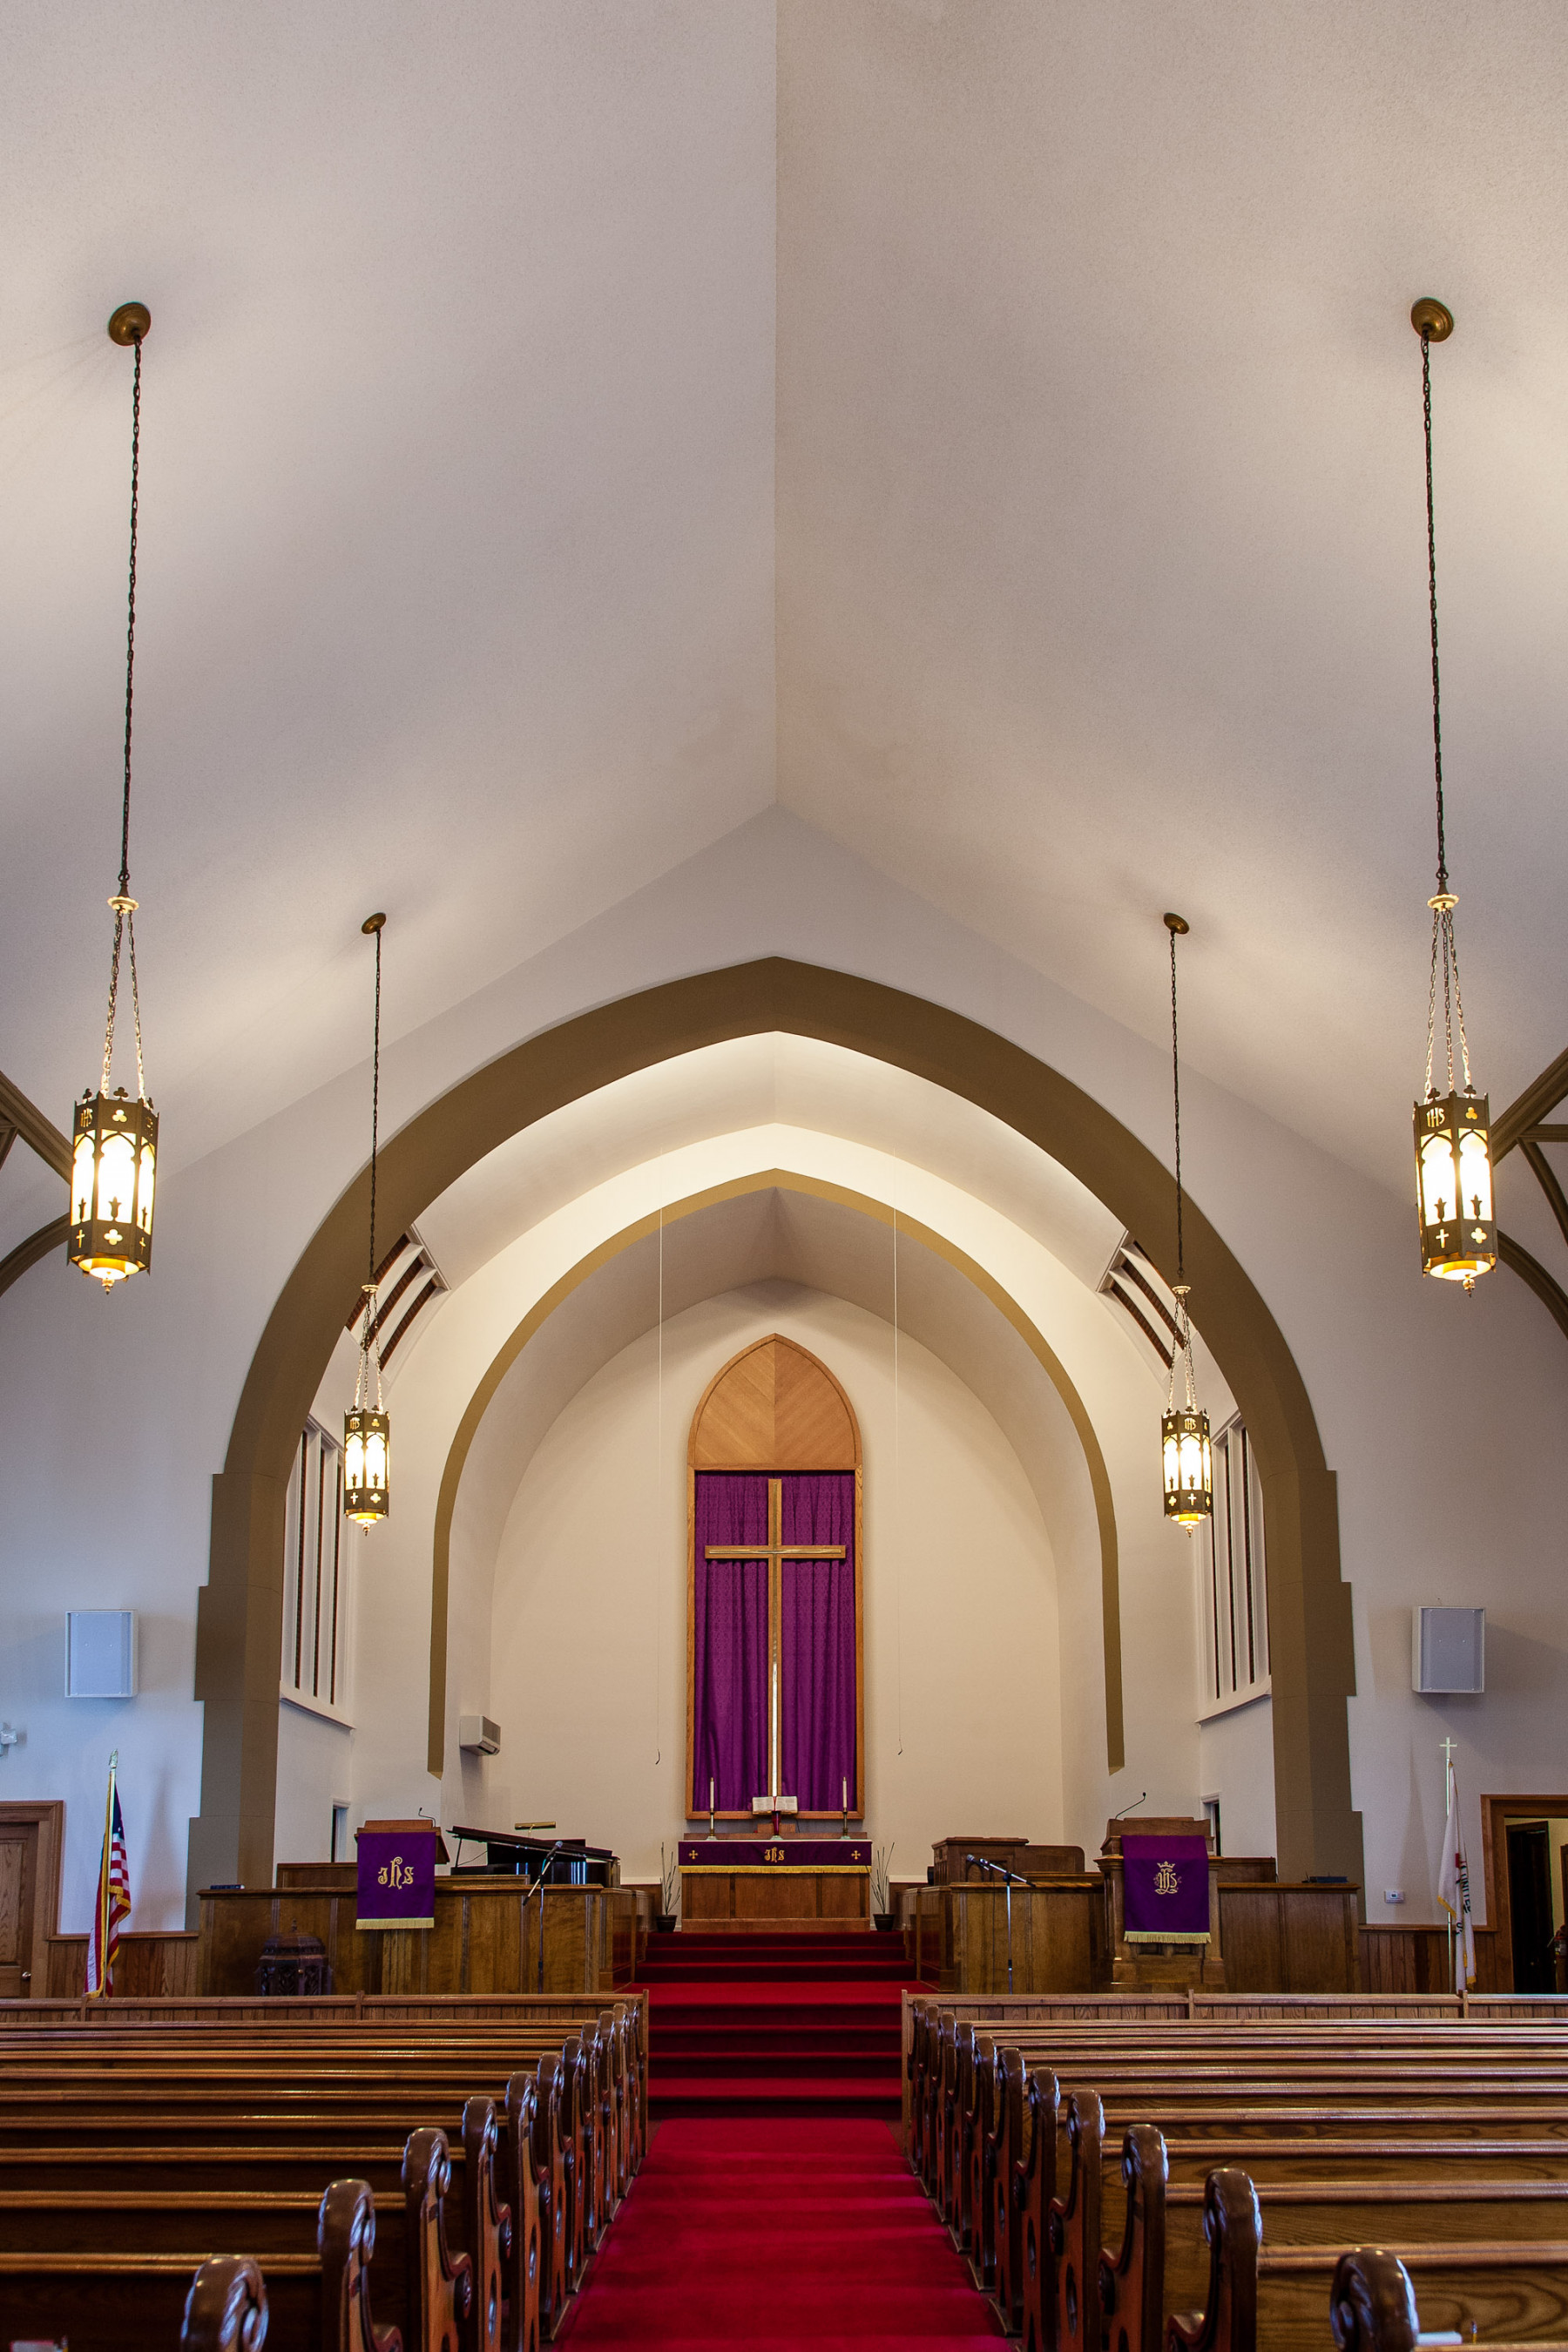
[1496, 1813]
[50, 1817]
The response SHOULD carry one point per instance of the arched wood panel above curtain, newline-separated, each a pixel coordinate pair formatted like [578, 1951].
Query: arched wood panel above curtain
[774, 1407]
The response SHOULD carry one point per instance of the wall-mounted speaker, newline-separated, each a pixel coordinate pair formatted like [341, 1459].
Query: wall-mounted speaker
[1448, 1650]
[478, 1735]
[101, 1654]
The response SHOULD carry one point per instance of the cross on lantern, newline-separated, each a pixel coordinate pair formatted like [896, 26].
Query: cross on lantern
[775, 1551]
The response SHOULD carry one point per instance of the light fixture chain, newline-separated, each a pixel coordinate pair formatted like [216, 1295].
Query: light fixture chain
[1432, 602]
[135, 1006]
[131, 616]
[113, 997]
[1459, 1007]
[1431, 1006]
[375, 1104]
[1176, 1097]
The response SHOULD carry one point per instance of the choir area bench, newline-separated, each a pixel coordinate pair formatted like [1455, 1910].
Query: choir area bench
[127, 2154]
[1433, 2137]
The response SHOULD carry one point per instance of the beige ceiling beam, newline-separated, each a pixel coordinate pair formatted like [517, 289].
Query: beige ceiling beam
[29, 1253]
[40, 1133]
[1552, 1295]
[1543, 1094]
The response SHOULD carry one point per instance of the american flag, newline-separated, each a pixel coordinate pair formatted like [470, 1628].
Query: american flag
[113, 1903]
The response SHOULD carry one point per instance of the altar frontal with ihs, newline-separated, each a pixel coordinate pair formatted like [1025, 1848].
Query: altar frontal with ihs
[774, 1652]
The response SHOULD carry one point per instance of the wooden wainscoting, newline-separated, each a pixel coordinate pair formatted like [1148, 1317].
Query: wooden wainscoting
[151, 1964]
[1414, 1959]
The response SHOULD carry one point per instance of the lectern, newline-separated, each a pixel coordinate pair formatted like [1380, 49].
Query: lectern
[1165, 1925]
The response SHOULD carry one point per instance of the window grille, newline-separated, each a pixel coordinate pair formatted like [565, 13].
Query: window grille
[1234, 1585]
[315, 1574]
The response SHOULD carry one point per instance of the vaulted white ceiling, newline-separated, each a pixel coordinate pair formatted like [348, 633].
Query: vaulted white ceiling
[990, 428]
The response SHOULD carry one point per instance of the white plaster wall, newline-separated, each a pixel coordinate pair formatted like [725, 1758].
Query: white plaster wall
[315, 1772]
[1235, 1764]
[1441, 1416]
[587, 1662]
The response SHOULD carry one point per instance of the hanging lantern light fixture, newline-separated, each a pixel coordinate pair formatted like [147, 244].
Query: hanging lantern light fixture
[1186, 1456]
[367, 1431]
[1453, 1122]
[114, 1139]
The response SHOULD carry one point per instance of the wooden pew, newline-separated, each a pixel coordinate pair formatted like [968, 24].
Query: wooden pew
[1517, 2289]
[966, 2134]
[592, 2084]
[1372, 2306]
[321, 2297]
[980, 2129]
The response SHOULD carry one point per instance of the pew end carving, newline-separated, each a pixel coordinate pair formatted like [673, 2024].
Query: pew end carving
[1035, 2190]
[1371, 2307]
[488, 2226]
[346, 2241]
[525, 2246]
[441, 2291]
[226, 2310]
[1133, 2284]
[1073, 2228]
[1233, 2228]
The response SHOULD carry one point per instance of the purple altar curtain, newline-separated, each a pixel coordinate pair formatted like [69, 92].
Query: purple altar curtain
[817, 1643]
[730, 1645]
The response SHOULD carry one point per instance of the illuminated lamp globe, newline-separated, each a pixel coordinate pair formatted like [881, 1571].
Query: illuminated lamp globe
[1454, 1186]
[1188, 1466]
[367, 1464]
[114, 1165]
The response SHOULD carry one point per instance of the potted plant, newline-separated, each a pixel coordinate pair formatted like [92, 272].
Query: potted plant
[881, 1890]
[668, 1892]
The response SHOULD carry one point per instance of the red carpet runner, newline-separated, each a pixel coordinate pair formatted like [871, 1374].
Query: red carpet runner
[783, 2231]
[776, 2207]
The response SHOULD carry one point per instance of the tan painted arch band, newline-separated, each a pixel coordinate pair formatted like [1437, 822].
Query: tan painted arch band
[787, 1181]
[239, 1622]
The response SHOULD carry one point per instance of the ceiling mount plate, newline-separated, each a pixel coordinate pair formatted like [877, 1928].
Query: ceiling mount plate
[1179, 924]
[130, 322]
[1432, 319]
[372, 923]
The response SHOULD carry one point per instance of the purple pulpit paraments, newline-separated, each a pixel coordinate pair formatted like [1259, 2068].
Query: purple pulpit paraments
[396, 1874]
[1165, 1890]
[785, 1853]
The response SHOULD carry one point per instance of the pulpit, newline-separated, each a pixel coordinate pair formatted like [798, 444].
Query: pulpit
[1161, 1893]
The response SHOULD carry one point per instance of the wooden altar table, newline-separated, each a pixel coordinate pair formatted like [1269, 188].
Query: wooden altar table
[778, 1885]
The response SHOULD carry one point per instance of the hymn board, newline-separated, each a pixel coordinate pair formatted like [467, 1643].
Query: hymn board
[775, 1655]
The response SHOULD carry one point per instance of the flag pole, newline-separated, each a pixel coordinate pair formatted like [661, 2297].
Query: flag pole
[1447, 1746]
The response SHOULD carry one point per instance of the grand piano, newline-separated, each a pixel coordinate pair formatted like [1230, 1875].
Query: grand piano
[563, 1862]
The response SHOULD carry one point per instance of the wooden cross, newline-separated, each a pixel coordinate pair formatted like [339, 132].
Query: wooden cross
[775, 1551]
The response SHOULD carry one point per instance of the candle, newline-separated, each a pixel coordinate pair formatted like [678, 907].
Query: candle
[710, 1795]
[844, 1793]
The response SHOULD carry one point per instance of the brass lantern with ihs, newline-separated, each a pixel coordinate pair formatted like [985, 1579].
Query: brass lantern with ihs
[1186, 1456]
[1454, 1186]
[114, 1163]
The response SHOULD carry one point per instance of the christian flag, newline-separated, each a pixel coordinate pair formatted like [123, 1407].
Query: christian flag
[113, 1903]
[1454, 1892]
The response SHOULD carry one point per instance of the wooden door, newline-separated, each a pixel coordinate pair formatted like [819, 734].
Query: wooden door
[18, 1890]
